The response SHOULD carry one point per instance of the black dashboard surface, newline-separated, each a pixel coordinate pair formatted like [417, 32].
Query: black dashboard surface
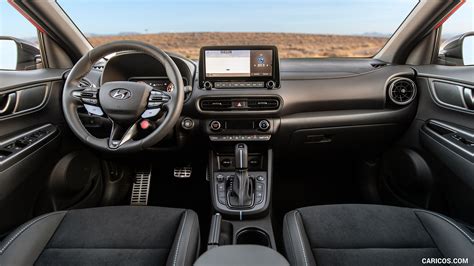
[314, 93]
[307, 85]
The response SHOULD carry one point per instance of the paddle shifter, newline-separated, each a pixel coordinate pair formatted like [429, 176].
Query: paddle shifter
[242, 185]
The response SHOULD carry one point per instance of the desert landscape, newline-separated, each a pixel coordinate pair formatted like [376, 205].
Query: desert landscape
[290, 45]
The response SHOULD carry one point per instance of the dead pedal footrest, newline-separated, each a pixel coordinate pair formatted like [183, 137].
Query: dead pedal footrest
[141, 187]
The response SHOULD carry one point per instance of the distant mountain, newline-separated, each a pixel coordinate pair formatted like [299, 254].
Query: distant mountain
[376, 34]
[125, 33]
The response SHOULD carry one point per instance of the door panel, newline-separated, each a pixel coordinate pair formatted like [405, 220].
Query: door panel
[443, 134]
[31, 123]
[453, 144]
[23, 100]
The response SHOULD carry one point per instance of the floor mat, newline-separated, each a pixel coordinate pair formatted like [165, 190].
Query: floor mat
[309, 183]
[188, 193]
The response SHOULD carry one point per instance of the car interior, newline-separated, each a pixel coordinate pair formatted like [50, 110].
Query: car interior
[130, 153]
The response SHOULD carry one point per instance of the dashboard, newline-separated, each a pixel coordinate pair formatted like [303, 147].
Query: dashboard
[311, 101]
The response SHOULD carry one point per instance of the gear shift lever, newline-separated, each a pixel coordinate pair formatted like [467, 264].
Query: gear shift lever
[241, 184]
[241, 157]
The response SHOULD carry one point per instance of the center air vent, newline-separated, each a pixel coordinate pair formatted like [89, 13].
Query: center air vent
[216, 104]
[263, 103]
[402, 91]
[240, 104]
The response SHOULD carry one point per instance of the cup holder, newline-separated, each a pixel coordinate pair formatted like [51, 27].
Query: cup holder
[253, 236]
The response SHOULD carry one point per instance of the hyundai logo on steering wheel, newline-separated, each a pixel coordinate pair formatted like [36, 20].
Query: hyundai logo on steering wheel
[120, 94]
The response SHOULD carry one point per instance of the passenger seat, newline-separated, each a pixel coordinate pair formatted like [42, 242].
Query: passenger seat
[372, 235]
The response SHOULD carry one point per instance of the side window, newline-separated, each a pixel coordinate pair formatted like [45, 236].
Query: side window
[457, 37]
[19, 48]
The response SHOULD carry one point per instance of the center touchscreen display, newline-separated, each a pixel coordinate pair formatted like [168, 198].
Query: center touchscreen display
[238, 63]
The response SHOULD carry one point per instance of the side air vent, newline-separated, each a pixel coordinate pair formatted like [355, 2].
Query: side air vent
[402, 91]
[240, 104]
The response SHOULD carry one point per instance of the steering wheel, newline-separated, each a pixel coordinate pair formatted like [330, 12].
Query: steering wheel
[125, 103]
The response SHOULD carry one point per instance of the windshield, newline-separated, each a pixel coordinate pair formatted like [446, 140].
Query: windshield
[299, 28]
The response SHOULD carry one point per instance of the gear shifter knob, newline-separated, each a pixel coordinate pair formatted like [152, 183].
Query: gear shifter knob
[241, 156]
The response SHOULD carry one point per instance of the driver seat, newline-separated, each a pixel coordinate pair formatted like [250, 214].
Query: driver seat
[120, 235]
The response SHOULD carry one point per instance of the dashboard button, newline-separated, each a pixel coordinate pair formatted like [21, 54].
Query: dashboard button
[220, 178]
[208, 85]
[264, 125]
[221, 187]
[215, 125]
[187, 123]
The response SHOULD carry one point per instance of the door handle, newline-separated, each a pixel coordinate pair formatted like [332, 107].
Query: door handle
[469, 98]
[7, 103]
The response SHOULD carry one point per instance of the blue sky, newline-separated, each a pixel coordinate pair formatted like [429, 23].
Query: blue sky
[302, 16]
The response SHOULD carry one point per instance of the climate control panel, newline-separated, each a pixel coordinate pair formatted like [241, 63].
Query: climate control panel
[260, 129]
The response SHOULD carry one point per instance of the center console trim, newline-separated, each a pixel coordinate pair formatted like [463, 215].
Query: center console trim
[262, 209]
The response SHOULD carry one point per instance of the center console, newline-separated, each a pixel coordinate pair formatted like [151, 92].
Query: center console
[240, 126]
[240, 179]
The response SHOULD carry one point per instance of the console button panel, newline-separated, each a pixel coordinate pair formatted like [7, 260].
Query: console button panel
[223, 182]
[239, 84]
[265, 137]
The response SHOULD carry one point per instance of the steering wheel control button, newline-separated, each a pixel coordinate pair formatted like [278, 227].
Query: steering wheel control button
[90, 101]
[158, 96]
[154, 104]
[264, 125]
[89, 94]
[215, 125]
[89, 97]
[187, 123]
[145, 124]
[151, 113]
[95, 110]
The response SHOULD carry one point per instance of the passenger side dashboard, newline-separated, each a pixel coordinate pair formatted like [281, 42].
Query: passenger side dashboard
[348, 110]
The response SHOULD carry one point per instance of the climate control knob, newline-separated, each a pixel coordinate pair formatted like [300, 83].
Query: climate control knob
[215, 125]
[264, 125]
